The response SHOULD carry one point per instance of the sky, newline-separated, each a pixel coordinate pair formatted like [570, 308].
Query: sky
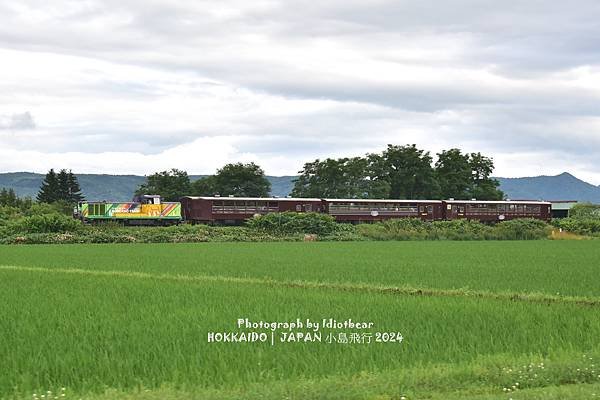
[134, 86]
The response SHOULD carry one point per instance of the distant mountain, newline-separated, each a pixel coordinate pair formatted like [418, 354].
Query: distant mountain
[560, 187]
[112, 187]
[121, 187]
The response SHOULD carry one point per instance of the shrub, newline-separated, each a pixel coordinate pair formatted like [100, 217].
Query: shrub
[519, 229]
[8, 213]
[582, 226]
[460, 229]
[45, 208]
[415, 229]
[395, 229]
[294, 223]
[585, 211]
[45, 223]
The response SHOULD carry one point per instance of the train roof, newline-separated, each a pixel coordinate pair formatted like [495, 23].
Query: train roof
[251, 198]
[382, 201]
[496, 202]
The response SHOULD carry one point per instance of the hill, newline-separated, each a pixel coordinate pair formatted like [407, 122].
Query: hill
[559, 187]
[121, 187]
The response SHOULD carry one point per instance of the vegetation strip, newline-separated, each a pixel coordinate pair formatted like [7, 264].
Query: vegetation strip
[405, 290]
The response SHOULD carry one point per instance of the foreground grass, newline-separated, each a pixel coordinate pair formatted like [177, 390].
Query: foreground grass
[485, 379]
[131, 322]
[124, 332]
[549, 267]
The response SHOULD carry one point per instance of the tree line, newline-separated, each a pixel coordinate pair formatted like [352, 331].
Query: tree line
[236, 179]
[401, 172]
[61, 187]
[398, 172]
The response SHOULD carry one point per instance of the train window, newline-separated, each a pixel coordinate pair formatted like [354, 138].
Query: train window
[298, 207]
[308, 207]
[461, 209]
[429, 209]
[422, 209]
[501, 207]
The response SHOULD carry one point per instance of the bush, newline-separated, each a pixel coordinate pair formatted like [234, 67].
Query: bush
[45, 208]
[460, 229]
[585, 211]
[294, 223]
[522, 229]
[45, 223]
[415, 229]
[8, 213]
[581, 226]
[395, 229]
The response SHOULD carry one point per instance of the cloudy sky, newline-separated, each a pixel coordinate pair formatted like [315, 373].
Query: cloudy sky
[134, 86]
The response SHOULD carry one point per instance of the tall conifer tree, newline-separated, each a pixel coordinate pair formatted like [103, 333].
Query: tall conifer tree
[49, 191]
[75, 194]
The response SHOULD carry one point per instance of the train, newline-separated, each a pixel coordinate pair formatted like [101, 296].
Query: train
[151, 210]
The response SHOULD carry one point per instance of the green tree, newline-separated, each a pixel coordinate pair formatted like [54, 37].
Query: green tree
[204, 186]
[49, 190]
[333, 178]
[8, 198]
[405, 171]
[483, 187]
[239, 180]
[75, 195]
[170, 185]
[63, 185]
[465, 176]
[453, 174]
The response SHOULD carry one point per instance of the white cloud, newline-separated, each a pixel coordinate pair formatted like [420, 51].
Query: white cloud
[137, 86]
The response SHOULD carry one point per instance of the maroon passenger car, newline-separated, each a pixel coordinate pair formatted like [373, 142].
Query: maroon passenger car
[234, 210]
[491, 211]
[365, 210]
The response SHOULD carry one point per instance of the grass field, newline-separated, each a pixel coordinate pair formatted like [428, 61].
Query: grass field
[131, 321]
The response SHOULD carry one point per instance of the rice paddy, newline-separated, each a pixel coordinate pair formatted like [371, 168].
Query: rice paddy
[133, 321]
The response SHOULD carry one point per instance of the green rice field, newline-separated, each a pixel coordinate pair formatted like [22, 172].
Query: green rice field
[479, 320]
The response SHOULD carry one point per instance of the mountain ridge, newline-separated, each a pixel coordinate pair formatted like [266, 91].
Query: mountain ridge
[563, 186]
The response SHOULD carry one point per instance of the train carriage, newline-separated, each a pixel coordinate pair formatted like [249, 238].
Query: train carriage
[235, 210]
[495, 211]
[371, 210]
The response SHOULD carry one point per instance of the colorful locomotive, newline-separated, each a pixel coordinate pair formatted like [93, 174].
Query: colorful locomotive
[143, 210]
